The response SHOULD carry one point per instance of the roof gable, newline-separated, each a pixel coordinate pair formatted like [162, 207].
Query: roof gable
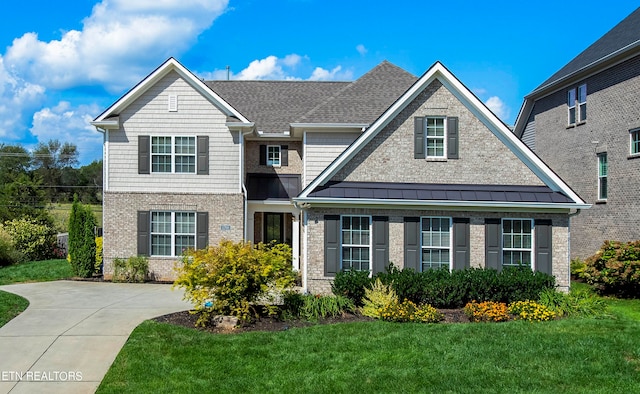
[473, 105]
[165, 68]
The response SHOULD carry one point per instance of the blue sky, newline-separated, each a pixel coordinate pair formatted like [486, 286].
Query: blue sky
[63, 63]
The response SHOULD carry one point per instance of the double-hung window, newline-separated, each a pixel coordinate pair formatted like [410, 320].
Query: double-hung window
[577, 104]
[172, 233]
[603, 170]
[173, 154]
[273, 156]
[436, 242]
[634, 136]
[435, 137]
[517, 241]
[356, 243]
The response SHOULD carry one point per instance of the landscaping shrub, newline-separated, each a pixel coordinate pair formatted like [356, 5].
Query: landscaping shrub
[8, 253]
[351, 284]
[99, 258]
[34, 239]
[82, 242]
[292, 302]
[229, 278]
[581, 303]
[132, 270]
[487, 311]
[531, 311]
[378, 297]
[444, 289]
[615, 269]
[407, 311]
[315, 307]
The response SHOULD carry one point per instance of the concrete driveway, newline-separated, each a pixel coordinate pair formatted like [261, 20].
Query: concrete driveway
[68, 337]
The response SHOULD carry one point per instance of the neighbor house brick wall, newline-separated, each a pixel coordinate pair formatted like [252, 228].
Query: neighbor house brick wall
[120, 223]
[613, 102]
[319, 283]
[483, 158]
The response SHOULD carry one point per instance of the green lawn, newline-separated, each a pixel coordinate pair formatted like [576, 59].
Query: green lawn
[570, 355]
[11, 305]
[36, 271]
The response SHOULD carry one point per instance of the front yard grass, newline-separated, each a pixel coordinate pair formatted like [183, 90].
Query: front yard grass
[11, 305]
[36, 271]
[570, 355]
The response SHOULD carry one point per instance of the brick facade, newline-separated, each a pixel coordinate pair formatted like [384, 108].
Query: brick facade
[226, 221]
[613, 99]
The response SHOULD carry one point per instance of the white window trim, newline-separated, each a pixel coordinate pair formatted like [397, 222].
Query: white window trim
[279, 156]
[631, 133]
[571, 104]
[444, 138]
[579, 103]
[438, 247]
[173, 154]
[370, 245]
[533, 242]
[600, 177]
[173, 233]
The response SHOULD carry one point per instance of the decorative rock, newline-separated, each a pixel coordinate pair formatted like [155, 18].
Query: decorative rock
[225, 322]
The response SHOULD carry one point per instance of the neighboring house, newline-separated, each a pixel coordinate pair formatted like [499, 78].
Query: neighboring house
[354, 175]
[584, 122]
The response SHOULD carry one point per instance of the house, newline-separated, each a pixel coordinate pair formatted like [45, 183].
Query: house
[584, 122]
[354, 175]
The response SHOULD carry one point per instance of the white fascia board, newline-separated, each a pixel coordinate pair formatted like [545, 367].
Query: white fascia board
[240, 125]
[111, 124]
[170, 65]
[316, 126]
[438, 204]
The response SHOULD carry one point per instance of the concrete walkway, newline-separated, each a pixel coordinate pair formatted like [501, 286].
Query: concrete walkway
[70, 334]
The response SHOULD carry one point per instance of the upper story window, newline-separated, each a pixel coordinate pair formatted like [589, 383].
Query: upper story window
[436, 137]
[603, 171]
[577, 104]
[436, 242]
[173, 154]
[517, 241]
[634, 136]
[273, 156]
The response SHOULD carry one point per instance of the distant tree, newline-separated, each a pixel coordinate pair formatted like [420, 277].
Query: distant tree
[50, 160]
[14, 161]
[23, 197]
[90, 177]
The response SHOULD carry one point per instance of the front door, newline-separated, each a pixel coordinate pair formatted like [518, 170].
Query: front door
[273, 227]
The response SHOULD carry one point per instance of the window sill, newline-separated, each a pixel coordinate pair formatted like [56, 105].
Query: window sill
[598, 202]
[633, 156]
[581, 123]
[436, 159]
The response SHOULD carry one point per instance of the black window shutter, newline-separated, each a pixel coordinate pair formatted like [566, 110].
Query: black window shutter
[461, 243]
[284, 155]
[202, 230]
[412, 248]
[543, 246]
[493, 246]
[418, 138]
[144, 159]
[203, 155]
[263, 155]
[380, 243]
[452, 138]
[331, 245]
[144, 223]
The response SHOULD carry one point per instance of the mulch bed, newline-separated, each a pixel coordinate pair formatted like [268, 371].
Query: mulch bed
[188, 320]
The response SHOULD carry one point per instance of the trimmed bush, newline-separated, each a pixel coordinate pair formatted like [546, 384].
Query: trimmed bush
[8, 253]
[34, 239]
[228, 279]
[615, 269]
[131, 270]
[351, 284]
[407, 311]
[82, 242]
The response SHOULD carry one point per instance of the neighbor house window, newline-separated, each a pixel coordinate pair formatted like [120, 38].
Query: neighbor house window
[577, 104]
[436, 242]
[435, 136]
[603, 170]
[273, 155]
[635, 141]
[517, 242]
[356, 243]
[173, 154]
[172, 233]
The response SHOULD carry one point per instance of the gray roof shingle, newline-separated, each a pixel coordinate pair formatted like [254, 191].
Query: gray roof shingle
[274, 105]
[624, 34]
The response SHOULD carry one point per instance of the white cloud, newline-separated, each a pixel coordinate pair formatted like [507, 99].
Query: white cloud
[361, 49]
[320, 74]
[117, 44]
[68, 124]
[498, 107]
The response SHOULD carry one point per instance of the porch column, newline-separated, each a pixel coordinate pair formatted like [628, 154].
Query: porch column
[295, 241]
